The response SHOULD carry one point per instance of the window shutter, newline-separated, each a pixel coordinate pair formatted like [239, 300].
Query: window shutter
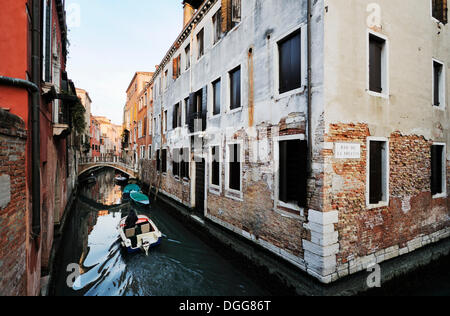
[186, 112]
[226, 16]
[174, 117]
[192, 110]
[174, 68]
[204, 107]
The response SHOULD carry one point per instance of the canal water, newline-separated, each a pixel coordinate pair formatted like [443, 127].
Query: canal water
[91, 262]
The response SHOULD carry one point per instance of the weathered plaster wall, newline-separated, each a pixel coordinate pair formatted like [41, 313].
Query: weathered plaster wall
[405, 117]
[252, 45]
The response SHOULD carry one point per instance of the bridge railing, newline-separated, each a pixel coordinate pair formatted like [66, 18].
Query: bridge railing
[106, 159]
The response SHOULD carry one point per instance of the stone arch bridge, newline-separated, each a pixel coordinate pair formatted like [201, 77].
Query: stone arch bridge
[87, 164]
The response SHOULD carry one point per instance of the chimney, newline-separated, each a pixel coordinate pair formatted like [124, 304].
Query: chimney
[188, 12]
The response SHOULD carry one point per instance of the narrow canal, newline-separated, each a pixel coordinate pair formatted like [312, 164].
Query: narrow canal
[182, 265]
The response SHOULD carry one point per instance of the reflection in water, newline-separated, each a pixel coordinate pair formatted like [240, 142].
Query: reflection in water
[182, 265]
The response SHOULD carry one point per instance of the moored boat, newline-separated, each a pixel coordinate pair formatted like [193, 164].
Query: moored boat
[139, 198]
[130, 188]
[120, 179]
[144, 236]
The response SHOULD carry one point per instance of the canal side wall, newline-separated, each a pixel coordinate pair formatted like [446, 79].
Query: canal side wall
[13, 205]
[286, 275]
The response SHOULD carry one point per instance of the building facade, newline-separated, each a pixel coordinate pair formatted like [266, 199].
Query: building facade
[37, 139]
[85, 137]
[334, 157]
[134, 107]
[95, 138]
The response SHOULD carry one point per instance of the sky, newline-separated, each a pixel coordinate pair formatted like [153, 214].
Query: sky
[109, 40]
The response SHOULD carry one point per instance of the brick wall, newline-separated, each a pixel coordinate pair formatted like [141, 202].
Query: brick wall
[12, 205]
[412, 212]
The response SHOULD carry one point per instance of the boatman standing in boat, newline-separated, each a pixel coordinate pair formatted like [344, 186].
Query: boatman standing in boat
[131, 220]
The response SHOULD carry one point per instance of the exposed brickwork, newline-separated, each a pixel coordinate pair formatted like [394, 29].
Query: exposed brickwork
[13, 210]
[411, 212]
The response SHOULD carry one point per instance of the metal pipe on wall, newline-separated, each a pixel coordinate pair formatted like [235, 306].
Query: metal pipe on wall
[35, 129]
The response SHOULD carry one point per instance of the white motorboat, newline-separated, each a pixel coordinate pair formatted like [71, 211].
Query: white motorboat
[144, 236]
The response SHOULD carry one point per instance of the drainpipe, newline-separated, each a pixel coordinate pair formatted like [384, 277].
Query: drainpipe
[310, 145]
[35, 129]
[18, 83]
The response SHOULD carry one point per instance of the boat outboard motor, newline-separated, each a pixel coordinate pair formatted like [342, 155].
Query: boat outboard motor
[131, 220]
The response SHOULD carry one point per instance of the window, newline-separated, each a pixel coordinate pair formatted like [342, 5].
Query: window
[164, 161]
[235, 88]
[165, 121]
[438, 170]
[438, 84]
[200, 44]
[176, 120]
[144, 124]
[215, 166]
[184, 163]
[234, 167]
[186, 111]
[440, 10]
[154, 126]
[217, 26]
[187, 51]
[176, 163]
[198, 110]
[216, 97]
[290, 73]
[166, 82]
[149, 152]
[292, 176]
[46, 42]
[176, 67]
[378, 173]
[158, 160]
[377, 64]
[235, 12]
[139, 129]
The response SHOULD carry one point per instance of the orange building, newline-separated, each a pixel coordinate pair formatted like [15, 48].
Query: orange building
[135, 106]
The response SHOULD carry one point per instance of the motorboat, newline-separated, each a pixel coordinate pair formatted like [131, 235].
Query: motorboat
[139, 198]
[142, 237]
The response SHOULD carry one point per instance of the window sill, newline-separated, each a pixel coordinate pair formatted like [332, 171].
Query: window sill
[235, 27]
[439, 196]
[234, 195]
[283, 95]
[379, 205]
[201, 57]
[433, 19]
[290, 211]
[236, 110]
[214, 116]
[377, 94]
[439, 108]
[218, 42]
[214, 190]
